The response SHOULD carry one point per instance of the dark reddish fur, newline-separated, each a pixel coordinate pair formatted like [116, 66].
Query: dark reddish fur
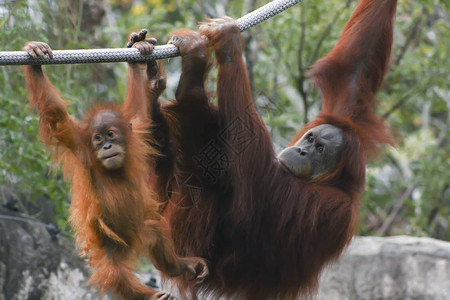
[114, 213]
[266, 234]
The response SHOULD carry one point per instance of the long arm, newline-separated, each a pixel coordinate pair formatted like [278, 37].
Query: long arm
[143, 88]
[56, 127]
[191, 118]
[244, 132]
[351, 74]
[194, 66]
[136, 101]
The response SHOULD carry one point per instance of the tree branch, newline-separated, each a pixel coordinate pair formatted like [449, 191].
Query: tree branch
[402, 100]
[302, 41]
[411, 35]
[396, 208]
[327, 31]
[301, 68]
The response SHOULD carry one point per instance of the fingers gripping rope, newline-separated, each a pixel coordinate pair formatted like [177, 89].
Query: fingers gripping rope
[132, 54]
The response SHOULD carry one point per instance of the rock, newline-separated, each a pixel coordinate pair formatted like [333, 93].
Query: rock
[33, 265]
[399, 267]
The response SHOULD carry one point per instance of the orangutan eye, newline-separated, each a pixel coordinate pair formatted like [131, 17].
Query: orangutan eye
[111, 134]
[97, 139]
[311, 138]
[320, 148]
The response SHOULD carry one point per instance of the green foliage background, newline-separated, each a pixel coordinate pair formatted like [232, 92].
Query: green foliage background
[407, 188]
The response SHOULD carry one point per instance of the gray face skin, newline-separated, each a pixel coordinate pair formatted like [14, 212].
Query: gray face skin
[316, 154]
[108, 140]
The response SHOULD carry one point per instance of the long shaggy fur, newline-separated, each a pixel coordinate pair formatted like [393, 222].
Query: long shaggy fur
[267, 234]
[114, 213]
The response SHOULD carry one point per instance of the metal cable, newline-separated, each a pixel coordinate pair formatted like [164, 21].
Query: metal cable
[132, 54]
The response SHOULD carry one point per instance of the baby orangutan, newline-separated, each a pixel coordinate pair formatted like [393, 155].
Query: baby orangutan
[114, 212]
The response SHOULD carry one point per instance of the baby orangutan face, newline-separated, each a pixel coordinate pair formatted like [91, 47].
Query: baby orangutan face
[109, 140]
[316, 153]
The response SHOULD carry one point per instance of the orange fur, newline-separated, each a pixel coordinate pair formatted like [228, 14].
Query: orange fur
[114, 213]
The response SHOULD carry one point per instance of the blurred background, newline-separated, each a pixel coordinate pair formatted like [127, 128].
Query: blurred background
[407, 189]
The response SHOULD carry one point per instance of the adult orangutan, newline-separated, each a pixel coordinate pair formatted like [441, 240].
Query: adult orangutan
[268, 224]
[113, 211]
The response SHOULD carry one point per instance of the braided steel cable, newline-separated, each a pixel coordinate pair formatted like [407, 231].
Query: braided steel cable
[132, 54]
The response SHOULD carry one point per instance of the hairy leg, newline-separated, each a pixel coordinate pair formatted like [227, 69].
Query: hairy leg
[113, 268]
[162, 253]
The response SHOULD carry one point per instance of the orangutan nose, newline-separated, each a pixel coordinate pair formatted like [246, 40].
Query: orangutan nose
[302, 151]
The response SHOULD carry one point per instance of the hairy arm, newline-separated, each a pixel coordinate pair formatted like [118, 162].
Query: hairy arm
[351, 74]
[136, 104]
[244, 132]
[56, 127]
[194, 66]
[192, 119]
[142, 88]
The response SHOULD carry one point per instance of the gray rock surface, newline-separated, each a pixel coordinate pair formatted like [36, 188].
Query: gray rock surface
[33, 265]
[399, 267]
